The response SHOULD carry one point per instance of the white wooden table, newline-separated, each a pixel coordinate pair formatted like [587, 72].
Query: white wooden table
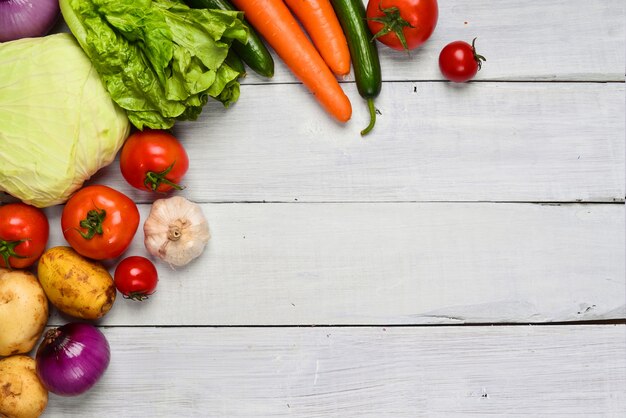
[467, 259]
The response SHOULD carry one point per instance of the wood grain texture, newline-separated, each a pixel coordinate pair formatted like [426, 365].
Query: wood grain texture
[433, 142]
[391, 263]
[551, 371]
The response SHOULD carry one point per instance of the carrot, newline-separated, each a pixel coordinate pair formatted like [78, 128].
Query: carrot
[273, 20]
[319, 19]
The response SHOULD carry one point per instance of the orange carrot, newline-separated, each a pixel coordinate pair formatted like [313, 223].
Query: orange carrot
[273, 20]
[319, 19]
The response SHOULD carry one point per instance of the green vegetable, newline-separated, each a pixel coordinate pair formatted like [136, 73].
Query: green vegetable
[58, 124]
[254, 53]
[363, 51]
[159, 59]
[234, 62]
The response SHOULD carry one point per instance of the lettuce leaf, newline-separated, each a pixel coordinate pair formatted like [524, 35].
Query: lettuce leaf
[159, 59]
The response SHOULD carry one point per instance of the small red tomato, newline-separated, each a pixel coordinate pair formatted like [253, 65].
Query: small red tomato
[24, 234]
[402, 24]
[99, 222]
[153, 160]
[459, 62]
[136, 277]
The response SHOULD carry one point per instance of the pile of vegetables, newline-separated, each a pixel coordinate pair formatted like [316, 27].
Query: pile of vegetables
[66, 110]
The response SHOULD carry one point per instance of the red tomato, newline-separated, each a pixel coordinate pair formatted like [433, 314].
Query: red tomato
[99, 222]
[24, 234]
[153, 160]
[402, 24]
[136, 277]
[459, 62]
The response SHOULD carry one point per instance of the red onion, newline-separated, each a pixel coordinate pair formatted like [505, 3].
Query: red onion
[72, 358]
[26, 18]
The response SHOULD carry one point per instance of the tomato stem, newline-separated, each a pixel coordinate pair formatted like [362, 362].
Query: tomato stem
[392, 22]
[7, 250]
[154, 180]
[478, 58]
[372, 109]
[92, 223]
[138, 296]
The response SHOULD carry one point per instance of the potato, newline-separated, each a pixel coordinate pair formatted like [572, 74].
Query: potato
[23, 311]
[75, 285]
[22, 395]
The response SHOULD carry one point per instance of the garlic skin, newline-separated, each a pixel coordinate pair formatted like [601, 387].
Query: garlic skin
[176, 230]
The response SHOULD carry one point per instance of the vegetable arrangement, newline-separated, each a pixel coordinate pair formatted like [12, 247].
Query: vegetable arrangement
[282, 31]
[148, 63]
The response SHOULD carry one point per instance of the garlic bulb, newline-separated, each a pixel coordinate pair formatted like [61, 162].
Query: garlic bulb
[176, 230]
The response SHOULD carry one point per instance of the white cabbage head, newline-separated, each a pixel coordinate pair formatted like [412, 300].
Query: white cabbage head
[58, 124]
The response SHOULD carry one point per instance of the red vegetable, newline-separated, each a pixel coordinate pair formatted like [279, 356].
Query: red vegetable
[459, 62]
[153, 160]
[136, 278]
[72, 358]
[26, 18]
[24, 234]
[402, 24]
[99, 222]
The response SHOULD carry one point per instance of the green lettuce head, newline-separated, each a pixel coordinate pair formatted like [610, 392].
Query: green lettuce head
[58, 124]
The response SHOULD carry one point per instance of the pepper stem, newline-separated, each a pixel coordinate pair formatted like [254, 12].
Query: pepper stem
[370, 105]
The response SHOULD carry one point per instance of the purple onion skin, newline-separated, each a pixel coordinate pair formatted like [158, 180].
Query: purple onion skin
[27, 18]
[72, 358]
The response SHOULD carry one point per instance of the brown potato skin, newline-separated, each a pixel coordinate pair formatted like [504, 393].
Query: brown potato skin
[23, 309]
[22, 395]
[75, 285]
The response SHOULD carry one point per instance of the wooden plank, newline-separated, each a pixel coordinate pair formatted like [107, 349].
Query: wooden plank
[551, 371]
[479, 142]
[560, 40]
[391, 263]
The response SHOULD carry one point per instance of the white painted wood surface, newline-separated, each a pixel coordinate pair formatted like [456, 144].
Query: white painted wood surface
[477, 142]
[467, 204]
[391, 263]
[550, 371]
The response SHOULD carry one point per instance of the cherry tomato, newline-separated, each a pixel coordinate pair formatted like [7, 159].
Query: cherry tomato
[153, 160]
[459, 62]
[402, 24]
[24, 232]
[136, 277]
[99, 222]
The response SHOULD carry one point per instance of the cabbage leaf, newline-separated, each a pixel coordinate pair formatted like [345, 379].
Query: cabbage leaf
[159, 59]
[58, 124]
